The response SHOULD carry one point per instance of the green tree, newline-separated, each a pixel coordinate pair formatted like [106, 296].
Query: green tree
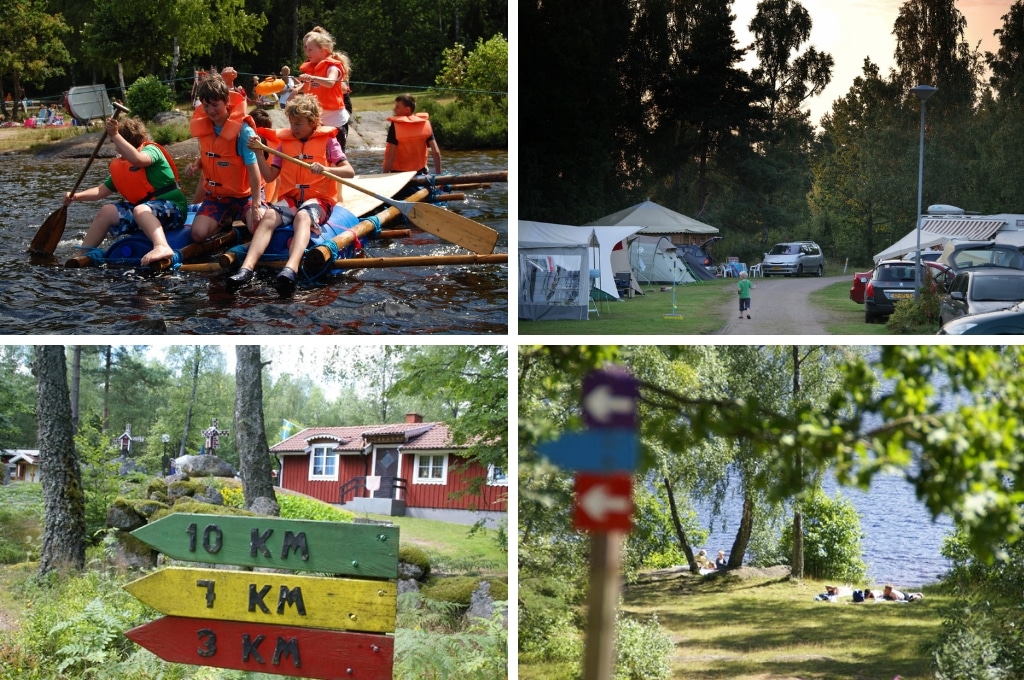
[831, 535]
[31, 47]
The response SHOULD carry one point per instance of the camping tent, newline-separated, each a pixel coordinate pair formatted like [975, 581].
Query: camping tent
[654, 260]
[554, 271]
[536, 241]
[657, 219]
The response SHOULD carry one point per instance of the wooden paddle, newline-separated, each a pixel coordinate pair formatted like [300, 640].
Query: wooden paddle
[48, 236]
[450, 226]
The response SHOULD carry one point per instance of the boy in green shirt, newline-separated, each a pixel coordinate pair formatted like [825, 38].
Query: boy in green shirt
[744, 287]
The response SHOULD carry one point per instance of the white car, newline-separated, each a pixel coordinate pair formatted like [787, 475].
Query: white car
[794, 258]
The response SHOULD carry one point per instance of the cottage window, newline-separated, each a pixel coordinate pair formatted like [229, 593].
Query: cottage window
[323, 463]
[496, 476]
[432, 469]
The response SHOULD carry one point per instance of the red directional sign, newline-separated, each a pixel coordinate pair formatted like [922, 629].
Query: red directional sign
[267, 648]
[604, 502]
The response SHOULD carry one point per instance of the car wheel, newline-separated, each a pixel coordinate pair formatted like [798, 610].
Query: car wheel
[869, 317]
[821, 269]
[799, 270]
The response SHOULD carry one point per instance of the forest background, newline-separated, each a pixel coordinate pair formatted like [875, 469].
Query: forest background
[649, 102]
[178, 390]
[47, 46]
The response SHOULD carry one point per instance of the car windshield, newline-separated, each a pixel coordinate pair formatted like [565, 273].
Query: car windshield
[784, 249]
[989, 257]
[895, 273]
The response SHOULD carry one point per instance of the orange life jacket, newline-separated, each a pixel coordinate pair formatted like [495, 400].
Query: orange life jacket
[298, 183]
[132, 182]
[224, 173]
[331, 98]
[412, 133]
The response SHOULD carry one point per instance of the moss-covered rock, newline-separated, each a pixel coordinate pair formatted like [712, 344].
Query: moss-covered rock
[191, 505]
[413, 562]
[187, 487]
[147, 507]
[460, 589]
[122, 515]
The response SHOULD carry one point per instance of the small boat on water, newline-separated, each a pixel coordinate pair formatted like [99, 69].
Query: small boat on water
[357, 218]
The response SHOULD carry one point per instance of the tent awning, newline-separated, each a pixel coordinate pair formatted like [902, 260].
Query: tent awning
[936, 232]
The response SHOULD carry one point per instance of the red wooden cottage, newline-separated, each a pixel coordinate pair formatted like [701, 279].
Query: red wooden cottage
[405, 469]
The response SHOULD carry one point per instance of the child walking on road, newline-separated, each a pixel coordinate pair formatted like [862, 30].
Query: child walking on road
[744, 287]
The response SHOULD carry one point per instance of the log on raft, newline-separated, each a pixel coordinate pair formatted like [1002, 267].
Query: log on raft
[468, 178]
[221, 239]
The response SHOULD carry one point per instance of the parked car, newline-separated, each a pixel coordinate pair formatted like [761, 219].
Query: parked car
[794, 258]
[1002, 322]
[894, 280]
[861, 279]
[701, 252]
[982, 290]
[971, 254]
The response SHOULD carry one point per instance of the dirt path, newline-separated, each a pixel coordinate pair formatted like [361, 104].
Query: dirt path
[780, 306]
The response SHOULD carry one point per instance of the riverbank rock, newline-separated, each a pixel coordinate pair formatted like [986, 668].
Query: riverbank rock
[204, 466]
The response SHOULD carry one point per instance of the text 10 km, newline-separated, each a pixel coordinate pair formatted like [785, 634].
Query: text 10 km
[213, 541]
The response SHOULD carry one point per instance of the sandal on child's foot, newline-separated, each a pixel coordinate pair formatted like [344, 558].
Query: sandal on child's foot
[242, 277]
[286, 282]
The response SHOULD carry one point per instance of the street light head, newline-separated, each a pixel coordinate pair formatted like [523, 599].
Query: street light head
[165, 438]
[923, 92]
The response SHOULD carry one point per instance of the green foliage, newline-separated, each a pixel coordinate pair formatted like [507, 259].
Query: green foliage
[967, 648]
[481, 73]
[478, 124]
[99, 475]
[479, 652]
[548, 619]
[169, 134]
[832, 533]
[411, 554]
[643, 650]
[148, 97]
[21, 521]
[652, 544]
[923, 317]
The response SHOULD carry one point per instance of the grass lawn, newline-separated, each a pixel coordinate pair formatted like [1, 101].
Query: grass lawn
[701, 305]
[846, 317]
[763, 628]
[450, 546]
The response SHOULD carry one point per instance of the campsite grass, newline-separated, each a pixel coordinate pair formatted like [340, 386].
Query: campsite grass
[452, 547]
[701, 305]
[846, 317]
[762, 628]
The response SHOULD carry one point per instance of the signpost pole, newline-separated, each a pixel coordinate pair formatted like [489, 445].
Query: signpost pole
[605, 557]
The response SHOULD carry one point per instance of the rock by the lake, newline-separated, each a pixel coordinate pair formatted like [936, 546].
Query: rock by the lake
[204, 466]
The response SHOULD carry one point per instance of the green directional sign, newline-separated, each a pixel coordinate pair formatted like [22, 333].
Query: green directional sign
[363, 550]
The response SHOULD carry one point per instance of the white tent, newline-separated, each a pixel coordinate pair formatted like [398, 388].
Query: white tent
[554, 267]
[536, 241]
[656, 219]
[654, 260]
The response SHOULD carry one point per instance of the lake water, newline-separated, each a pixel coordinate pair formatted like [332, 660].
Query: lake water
[901, 544]
[53, 300]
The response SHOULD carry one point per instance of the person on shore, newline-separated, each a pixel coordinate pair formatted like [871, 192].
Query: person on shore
[703, 561]
[306, 197]
[289, 86]
[721, 564]
[409, 138]
[147, 179]
[743, 288]
[323, 75]
[230, 174]
[893, 595]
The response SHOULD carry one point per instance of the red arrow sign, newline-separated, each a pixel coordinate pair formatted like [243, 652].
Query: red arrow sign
[266, 648]
[604, 502]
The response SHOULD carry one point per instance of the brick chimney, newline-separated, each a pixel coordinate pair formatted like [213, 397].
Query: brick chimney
[413, 418]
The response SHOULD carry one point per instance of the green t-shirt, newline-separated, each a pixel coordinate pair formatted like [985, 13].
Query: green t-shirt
[744, 287]
[160, 174]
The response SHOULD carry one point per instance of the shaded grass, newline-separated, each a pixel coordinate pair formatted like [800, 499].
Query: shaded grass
[846, 317]
[725, 627]
[702, 306]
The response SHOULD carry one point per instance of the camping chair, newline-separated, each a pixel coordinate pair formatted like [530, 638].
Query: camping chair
[755, 270]
[597, 295]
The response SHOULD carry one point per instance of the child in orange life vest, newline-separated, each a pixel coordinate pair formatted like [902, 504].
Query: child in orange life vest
[230, 174]
[409, 137]
[268, 135]
[305, 196]
[324, 75]
[145, 176]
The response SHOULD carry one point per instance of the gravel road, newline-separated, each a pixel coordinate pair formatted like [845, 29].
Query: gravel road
[780, 306]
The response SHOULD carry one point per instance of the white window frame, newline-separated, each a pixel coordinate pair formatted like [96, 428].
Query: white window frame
[328, 451]
[492, 480]
[443, 479]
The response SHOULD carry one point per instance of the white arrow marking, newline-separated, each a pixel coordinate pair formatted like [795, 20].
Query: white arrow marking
[601, 403]
[597, 503]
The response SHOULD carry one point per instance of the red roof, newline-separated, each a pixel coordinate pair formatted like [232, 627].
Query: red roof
[416, 436]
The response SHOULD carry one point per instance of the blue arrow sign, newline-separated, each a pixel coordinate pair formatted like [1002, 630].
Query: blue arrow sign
[594, 450]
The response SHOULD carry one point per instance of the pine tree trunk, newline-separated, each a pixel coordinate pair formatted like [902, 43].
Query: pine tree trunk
[63, 496]
[678, 525]
[250, 435]
[196, 360]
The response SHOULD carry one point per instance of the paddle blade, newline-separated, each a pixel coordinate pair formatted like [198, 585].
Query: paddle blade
[452, 227]
[48, 236]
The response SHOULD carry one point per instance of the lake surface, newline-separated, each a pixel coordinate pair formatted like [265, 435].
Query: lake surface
[412, 300]
[901, 543]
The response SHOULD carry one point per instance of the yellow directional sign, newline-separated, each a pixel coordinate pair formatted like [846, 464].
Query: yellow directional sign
[316, 602]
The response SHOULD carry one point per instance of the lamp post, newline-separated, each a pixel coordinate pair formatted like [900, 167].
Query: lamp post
[166, 460]
[923, 92]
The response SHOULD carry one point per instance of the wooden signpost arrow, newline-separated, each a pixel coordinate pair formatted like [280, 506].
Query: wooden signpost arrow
[332, 603]
[282, 650]
[362, 550]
